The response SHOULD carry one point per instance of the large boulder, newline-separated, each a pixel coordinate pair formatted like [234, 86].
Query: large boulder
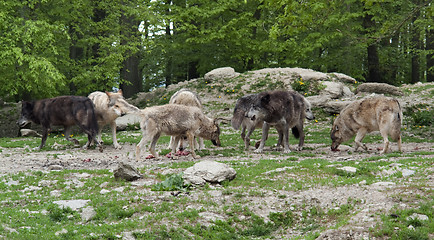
[379, 88]
[218, 73]
[127, 172]
[208, 171]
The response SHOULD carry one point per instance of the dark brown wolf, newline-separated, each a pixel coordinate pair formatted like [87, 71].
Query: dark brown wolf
[65, 111]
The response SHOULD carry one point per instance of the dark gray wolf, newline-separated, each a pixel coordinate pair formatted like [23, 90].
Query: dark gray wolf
[176, 120]
[283, 109]
[108, 107]
[239, 118]
[382, 114]
[187, 98]
[65, 111]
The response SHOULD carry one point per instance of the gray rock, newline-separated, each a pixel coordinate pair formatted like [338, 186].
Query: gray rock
[348, 169]
[88, 214]
[380, 88]
[419, 217]
[29, 133]
[127, 172]
[333, 89]
[407, 172]
[129, 119]
[73, 204]
[224, 72]
[208, 171]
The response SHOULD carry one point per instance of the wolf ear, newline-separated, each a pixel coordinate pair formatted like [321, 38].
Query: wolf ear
[108, 93]
[120, 91]
[265, 99]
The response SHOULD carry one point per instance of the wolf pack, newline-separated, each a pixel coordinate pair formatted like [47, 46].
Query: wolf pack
[183, 119]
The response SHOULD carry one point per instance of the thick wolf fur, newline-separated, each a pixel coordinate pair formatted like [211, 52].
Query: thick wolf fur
[382, 114]
[175, 120]
[283, 109]
[187, 98]
[65, 111]
[108, 107]
[239, 118]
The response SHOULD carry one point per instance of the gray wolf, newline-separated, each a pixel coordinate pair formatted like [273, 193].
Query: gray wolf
[175, 120]
[382, 114]
[283, 109]
[239, 118]
[188, 98]
[65, 111]
[108, 107]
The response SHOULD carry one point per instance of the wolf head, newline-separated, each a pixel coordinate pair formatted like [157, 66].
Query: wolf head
[26, 113]
[215, 133]
[339, 133]
[118, 104]
[308, 110]
[256, 110]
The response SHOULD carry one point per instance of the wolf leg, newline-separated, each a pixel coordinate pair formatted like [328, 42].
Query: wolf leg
[302, 135]
[190, 137]
[174, 140]
[359, 137]
[44, 137]
[153, 144]
[247, 137]
[67, 134]
[141, 145]
[201, 144]
[399, 143]
[115, 140]
[265, 129]
[384, 134]
[285, 136]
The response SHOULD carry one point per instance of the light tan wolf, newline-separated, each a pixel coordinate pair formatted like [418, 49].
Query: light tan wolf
[108, 107]
[382, 114]
[175, 120]
[187, 98]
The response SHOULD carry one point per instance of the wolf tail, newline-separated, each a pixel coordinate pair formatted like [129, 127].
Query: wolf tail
[397, 122]
[237, 119]
[295, 132]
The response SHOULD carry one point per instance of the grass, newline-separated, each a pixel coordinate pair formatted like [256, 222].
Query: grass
[269, 198]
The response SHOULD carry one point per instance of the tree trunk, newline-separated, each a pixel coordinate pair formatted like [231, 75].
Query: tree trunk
[372, 51]
[130, 72]
[430, 56]
[415, 53]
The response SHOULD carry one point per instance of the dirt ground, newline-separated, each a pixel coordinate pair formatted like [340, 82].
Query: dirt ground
[376, 198]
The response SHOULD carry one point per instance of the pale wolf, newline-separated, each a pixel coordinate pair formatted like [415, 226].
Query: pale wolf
[175, 120]
[283, 109]
[382, 114]
[108, 107]
[188, 98]
[65, 111]
[239, 118]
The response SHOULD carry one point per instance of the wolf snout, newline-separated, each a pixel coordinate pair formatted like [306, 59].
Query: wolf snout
[216, 143]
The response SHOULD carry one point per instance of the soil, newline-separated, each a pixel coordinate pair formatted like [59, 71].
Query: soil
[374, 199]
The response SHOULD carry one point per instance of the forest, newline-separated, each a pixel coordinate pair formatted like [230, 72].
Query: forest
[65, 47]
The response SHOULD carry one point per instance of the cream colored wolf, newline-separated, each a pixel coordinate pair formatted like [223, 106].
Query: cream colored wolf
[108, 107]
[382, 114]
[175, 120]
[187, 98]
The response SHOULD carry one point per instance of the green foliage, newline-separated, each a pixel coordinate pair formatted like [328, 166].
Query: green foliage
[174, 182]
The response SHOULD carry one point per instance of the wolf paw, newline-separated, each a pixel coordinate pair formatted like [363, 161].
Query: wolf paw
[258, 150]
